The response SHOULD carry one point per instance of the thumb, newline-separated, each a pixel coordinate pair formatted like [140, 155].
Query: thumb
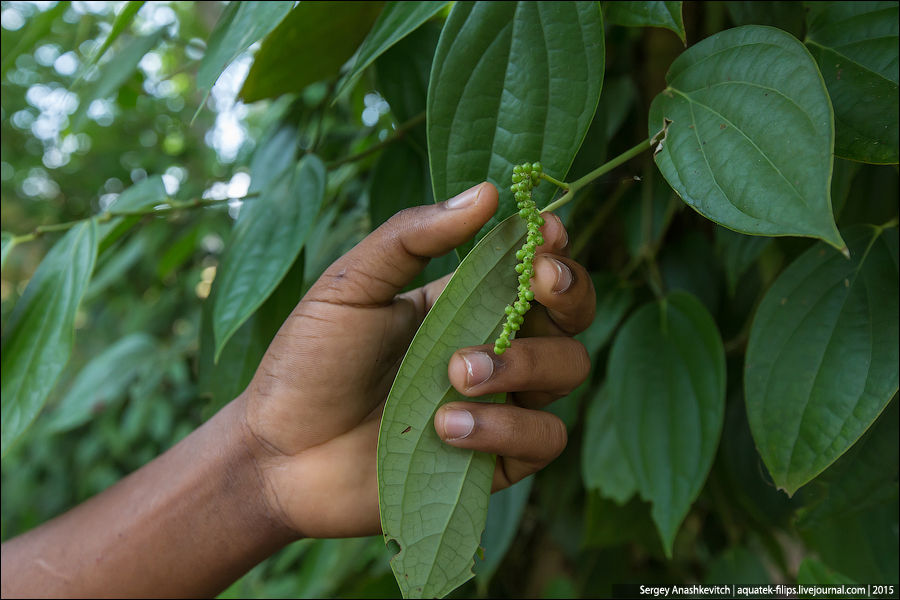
[377, 268]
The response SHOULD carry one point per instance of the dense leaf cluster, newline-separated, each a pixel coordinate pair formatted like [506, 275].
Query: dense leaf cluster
[742, 407]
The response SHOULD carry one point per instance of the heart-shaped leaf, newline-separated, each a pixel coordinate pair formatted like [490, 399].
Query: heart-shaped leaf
[434, 497]
[512, 82]
[822, 360]
[666, 389]
[38, 339]
[856, 46]
[749, 133]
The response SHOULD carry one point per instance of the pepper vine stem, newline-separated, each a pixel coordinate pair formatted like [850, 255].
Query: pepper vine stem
[108, 215]
[572, 188]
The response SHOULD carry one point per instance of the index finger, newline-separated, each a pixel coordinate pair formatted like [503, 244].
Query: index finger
[377, 268]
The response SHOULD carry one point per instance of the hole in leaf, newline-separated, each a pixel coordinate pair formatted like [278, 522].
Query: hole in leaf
[393, 546]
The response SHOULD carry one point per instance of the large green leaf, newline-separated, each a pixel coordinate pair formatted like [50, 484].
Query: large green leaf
[865, 476]
[266, 240]
[512, 82]
[749, 134]
[856, 46]
[434, 497]
[666, 388]
[114, 75]
[38, 339]
[603, 464]
[396, 21]
[647, 14]
[310, 44]
[240, 26]
[103, 380]
[822, 360]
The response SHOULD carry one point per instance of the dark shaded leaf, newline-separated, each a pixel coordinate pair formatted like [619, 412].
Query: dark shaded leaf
[666, 385]
[310, 44]
[396, 21]
[856, 46]
[822, 360]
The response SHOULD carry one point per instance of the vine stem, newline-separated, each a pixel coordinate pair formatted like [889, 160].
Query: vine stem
[572, 188]
[398, 133]
[107, 216]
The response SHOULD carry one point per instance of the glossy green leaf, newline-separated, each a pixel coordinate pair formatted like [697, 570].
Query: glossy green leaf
[141, 196]
[512, 82]
[434, 497]
[114, 75]
[749, 134]
[666, 385]
[396, 21]
[865, 476]
[822, 360]
[647, 14]
[8, 245]
[310, 44]
[240, 26]
[37, 29]
[856, 45]
[103, 380]
[38, 339]
[267, 238]
[603, 463]
[503, 519]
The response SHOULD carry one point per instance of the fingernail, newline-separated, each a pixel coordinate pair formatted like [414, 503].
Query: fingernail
[466, 198]
[564, 238]
[458, 423]
[564, 280]
[479, 365]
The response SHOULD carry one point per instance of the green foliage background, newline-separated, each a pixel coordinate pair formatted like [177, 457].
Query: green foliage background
[713, 351]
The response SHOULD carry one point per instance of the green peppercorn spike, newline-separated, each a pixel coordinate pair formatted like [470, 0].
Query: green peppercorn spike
[525, 178]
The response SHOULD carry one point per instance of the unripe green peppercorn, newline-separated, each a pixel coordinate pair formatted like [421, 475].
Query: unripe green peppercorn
[525, 177]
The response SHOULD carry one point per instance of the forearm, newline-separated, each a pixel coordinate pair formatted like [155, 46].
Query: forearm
[187, 524]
